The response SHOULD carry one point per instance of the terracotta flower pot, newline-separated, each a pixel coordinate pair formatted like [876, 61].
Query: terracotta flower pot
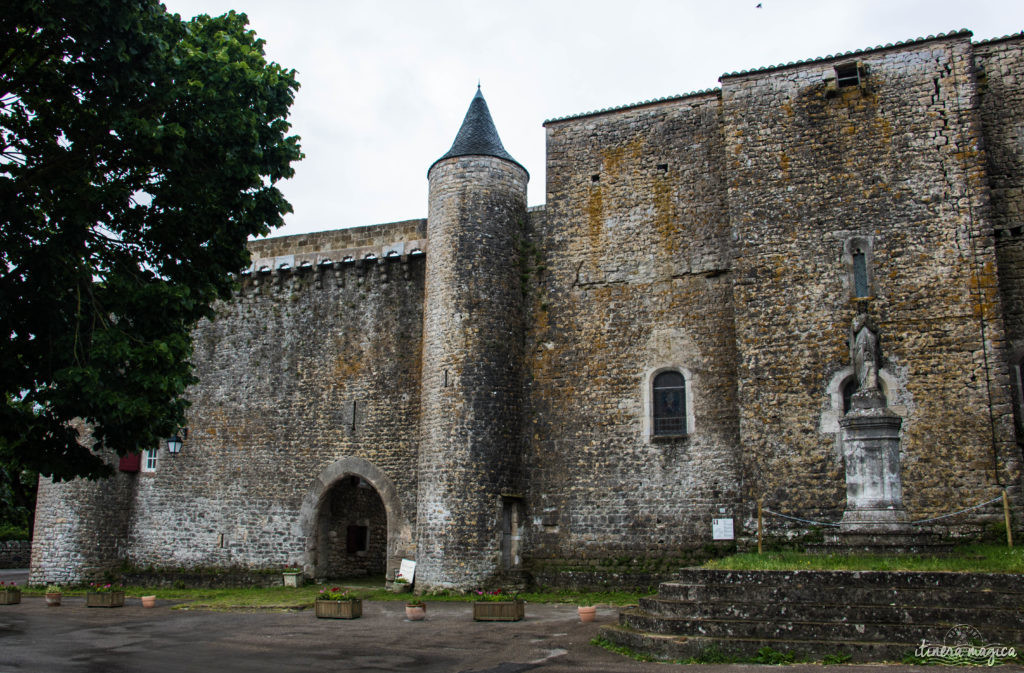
[149, 601]
[415, 613]
[587, 613]
[53, 599]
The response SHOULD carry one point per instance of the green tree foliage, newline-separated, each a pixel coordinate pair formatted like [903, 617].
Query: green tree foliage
[17, 500]
[139, 152]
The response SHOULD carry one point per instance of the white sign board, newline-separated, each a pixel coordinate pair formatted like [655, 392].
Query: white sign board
[407, 570]
[721, 529]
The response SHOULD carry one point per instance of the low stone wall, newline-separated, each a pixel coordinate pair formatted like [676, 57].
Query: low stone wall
[208, 580]
[623, 573]
[600, 579]
[15, 553]
[867, 615]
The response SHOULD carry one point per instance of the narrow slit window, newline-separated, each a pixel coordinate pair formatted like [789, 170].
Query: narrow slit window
[669, 390]
[1018, 374]
[860, 273]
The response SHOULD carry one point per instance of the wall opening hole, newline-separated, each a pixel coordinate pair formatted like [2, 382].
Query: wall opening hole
[848, 74]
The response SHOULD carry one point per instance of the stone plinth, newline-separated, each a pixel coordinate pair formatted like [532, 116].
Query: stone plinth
[874, 492]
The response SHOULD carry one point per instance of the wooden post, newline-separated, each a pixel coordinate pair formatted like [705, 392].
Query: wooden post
[1006, 518]
[760, 522]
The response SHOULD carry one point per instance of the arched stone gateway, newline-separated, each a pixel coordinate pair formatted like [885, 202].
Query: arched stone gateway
[349, 480]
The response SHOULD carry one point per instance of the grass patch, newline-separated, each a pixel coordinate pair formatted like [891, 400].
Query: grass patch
[300, 598]
[606, 644]
[970, 558]
[715, 655]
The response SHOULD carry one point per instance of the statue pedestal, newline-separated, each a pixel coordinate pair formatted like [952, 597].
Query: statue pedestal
[874, 519]
[874, 492]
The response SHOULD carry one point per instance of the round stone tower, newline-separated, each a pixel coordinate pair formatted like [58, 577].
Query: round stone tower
[472, 357]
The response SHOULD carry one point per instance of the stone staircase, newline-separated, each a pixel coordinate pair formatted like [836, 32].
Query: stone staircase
[870, 615]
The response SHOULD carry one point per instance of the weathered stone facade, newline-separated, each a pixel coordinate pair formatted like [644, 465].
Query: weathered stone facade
[490, 374]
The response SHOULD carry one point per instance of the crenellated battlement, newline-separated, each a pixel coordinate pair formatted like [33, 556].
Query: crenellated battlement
[371, 236]
[330, 265]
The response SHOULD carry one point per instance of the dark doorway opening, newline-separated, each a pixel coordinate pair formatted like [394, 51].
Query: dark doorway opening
[352, 531]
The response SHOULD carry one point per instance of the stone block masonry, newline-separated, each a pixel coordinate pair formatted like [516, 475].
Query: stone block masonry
[472, 367]
[304, 368]
[633, 277]
[581, 388]
[895, 165]
[15, 553]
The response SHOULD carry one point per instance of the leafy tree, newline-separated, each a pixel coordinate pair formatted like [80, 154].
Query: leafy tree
[139, 153]
[17, 499]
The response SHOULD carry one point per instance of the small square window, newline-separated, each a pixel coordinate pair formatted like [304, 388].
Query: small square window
[848, 74]
[149, 459]
[357, 539]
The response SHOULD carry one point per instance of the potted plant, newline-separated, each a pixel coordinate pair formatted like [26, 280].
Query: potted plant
[9, 593]
[498, 606]
[104, 596]
[52, 595]
[334, 603]
[587, 613]
[415, 611]
[401, 586]
[292, 576]
[148, 601]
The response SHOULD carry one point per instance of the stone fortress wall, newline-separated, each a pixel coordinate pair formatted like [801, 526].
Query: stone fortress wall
[710, 234]
[311, 374]
[895, 166]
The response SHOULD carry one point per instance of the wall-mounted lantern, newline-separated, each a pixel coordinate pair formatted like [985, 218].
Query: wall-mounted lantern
[175, 443]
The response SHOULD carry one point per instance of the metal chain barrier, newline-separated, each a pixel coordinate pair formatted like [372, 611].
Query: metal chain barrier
[796, 518]
[967, 509]
[915, 523]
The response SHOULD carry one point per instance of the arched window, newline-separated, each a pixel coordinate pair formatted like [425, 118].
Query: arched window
[669, 403]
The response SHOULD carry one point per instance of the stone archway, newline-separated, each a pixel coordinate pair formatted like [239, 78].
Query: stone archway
[340, 480]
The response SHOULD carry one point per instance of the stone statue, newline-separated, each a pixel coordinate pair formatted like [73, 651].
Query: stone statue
[865, 353]
[866, 356]
[871, 450]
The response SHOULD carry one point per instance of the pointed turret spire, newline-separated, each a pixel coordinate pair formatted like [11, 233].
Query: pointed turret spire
[478, 136]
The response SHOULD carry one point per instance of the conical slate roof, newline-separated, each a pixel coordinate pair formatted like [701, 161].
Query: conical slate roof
[477, 135]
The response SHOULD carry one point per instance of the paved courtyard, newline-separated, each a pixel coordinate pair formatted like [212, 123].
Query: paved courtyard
[73, 638]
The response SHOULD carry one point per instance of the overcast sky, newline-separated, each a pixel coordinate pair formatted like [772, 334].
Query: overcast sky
[385, 84]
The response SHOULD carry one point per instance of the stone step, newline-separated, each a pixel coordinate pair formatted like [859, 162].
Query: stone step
[809, 630]
[819, 579]
[983, 612]
[840, 595]
[682, 647]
